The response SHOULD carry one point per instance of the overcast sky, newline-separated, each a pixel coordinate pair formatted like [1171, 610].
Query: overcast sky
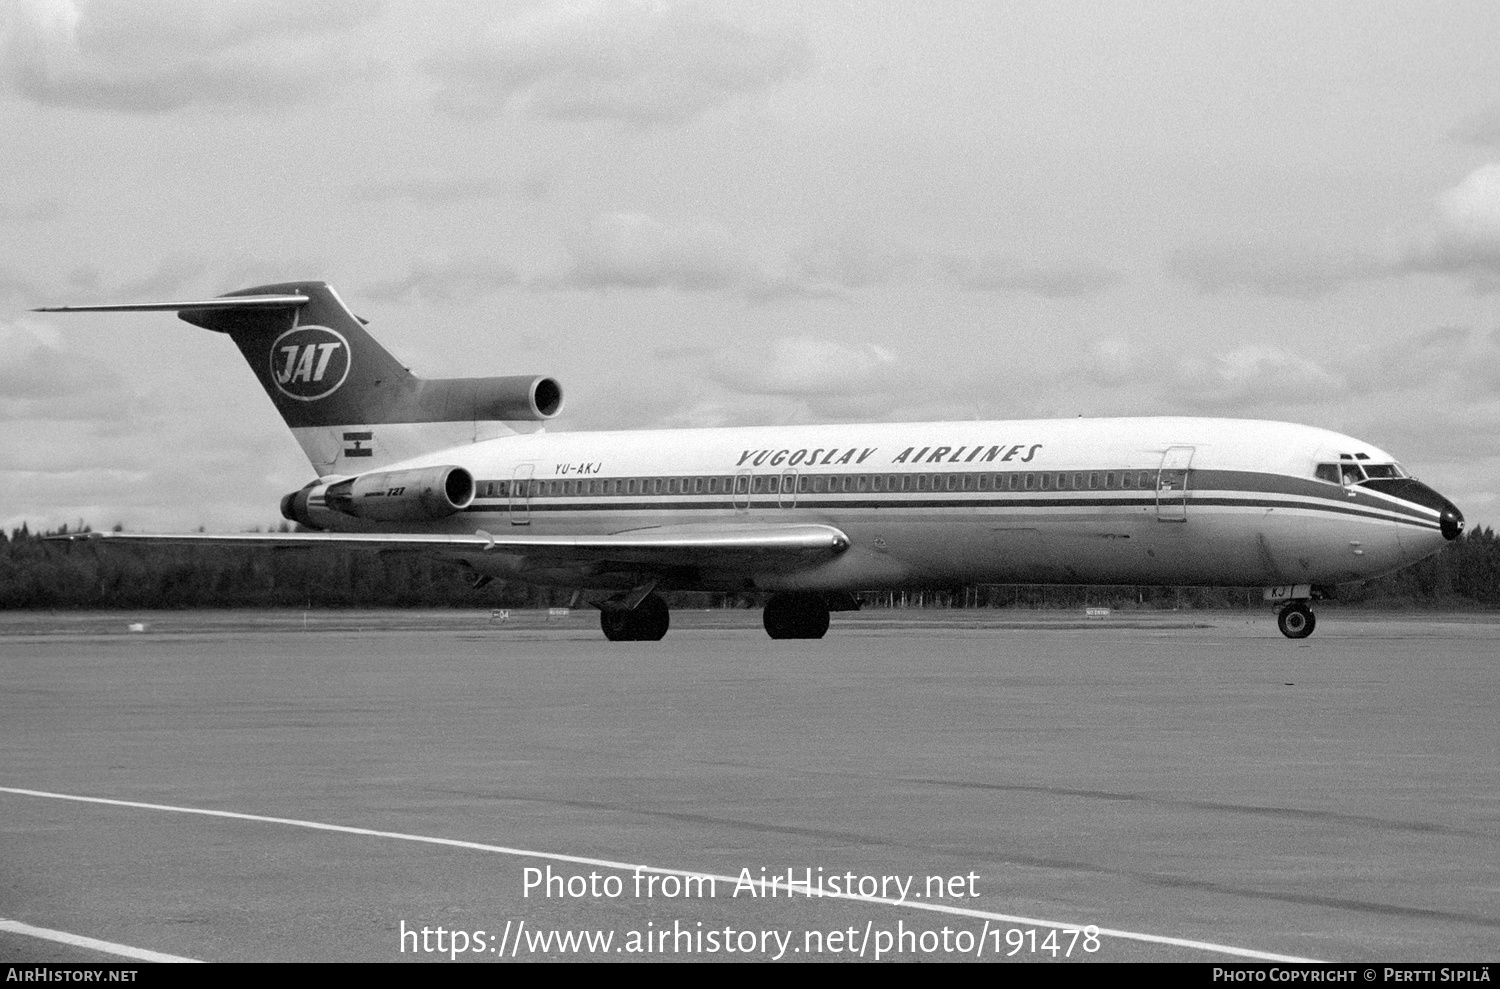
[745, 213]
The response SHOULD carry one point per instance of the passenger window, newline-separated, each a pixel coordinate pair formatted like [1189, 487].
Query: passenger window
[905, 482]
[862, 482]
[877, 482]
[1030, 481]
[741, 484]
[1093, 481]
[968, 482]
[848, 484]
[921, 482]
[773, 483]
[1109, 479]
[1046, 482]
[1145, 480]
[1077, 482]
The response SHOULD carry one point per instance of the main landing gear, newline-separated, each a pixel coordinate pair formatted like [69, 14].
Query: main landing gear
[796, 616]
[793, 615]
[646, 622]
[1296, 620]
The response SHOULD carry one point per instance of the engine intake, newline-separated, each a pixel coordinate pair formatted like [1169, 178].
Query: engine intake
[420, 495]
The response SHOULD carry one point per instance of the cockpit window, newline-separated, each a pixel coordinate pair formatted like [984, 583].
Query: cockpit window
[1327, 472]
[1384, 470]
[1351, 473]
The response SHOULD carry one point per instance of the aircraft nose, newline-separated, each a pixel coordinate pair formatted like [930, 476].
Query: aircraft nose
[1452, 522]
[1450, 519]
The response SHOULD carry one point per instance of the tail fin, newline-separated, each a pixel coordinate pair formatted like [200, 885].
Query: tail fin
[352, 406]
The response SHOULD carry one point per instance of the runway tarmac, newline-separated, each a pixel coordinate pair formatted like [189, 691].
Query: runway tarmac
[1191, 783]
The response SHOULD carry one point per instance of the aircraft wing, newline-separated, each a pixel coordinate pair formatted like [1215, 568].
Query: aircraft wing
[656, 549]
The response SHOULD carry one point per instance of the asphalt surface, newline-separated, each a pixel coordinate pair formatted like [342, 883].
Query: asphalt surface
[1167, 777]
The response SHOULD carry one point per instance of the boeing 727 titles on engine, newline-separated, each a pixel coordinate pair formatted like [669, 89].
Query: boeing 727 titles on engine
[809, 515]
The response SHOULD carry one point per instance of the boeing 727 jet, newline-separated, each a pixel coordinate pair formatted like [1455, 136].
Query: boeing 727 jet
[807, 514]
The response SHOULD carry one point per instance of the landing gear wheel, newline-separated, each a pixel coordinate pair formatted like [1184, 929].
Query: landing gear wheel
[1296, 620]
[796, 616]
[647, 623]
[651, 619]
[616, 624]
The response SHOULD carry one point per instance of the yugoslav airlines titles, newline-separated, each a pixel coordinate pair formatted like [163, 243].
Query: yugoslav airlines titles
[926, 455]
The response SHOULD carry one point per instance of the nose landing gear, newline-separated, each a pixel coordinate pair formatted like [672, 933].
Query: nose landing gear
[1296, 620]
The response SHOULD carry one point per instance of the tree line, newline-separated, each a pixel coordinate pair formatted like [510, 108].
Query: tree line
[42, 575]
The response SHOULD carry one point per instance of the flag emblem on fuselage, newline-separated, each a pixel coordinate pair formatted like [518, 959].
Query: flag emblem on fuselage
[358, 441]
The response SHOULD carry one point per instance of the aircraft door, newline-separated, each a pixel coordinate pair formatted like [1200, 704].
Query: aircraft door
[521, 484]
[742, 491]
[1172, 484]
[787, 497]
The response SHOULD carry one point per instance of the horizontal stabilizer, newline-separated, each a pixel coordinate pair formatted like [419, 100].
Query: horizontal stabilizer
[224, 302]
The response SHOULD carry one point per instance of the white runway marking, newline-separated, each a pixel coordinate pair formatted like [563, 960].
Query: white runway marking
[93, 944]
[1209, 946]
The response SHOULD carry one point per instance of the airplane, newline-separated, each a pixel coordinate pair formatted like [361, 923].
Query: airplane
[810, 515]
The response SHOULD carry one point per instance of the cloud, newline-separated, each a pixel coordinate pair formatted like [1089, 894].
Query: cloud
[37, 377]
[447, 281]
[1298, 271]
[86, 285]
[25, 214]
[1463, 237]
[130, 57]
[627, 250]
[992, 272]
[1482, 128]
[638, 251]
[803, 365]
[645, 63]
[430, 190]
[16, 287]
[1255, 376]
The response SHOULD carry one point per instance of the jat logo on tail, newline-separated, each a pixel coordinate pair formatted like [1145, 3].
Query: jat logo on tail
[309, 362]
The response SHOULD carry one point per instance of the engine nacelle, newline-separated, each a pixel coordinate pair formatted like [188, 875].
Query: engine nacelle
[508, 399]
[308, 508]
[420, 495]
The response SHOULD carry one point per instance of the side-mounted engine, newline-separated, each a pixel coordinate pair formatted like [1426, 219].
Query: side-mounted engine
[423, 494]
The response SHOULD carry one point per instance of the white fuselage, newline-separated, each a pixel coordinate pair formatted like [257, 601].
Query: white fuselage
[1076, 501]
